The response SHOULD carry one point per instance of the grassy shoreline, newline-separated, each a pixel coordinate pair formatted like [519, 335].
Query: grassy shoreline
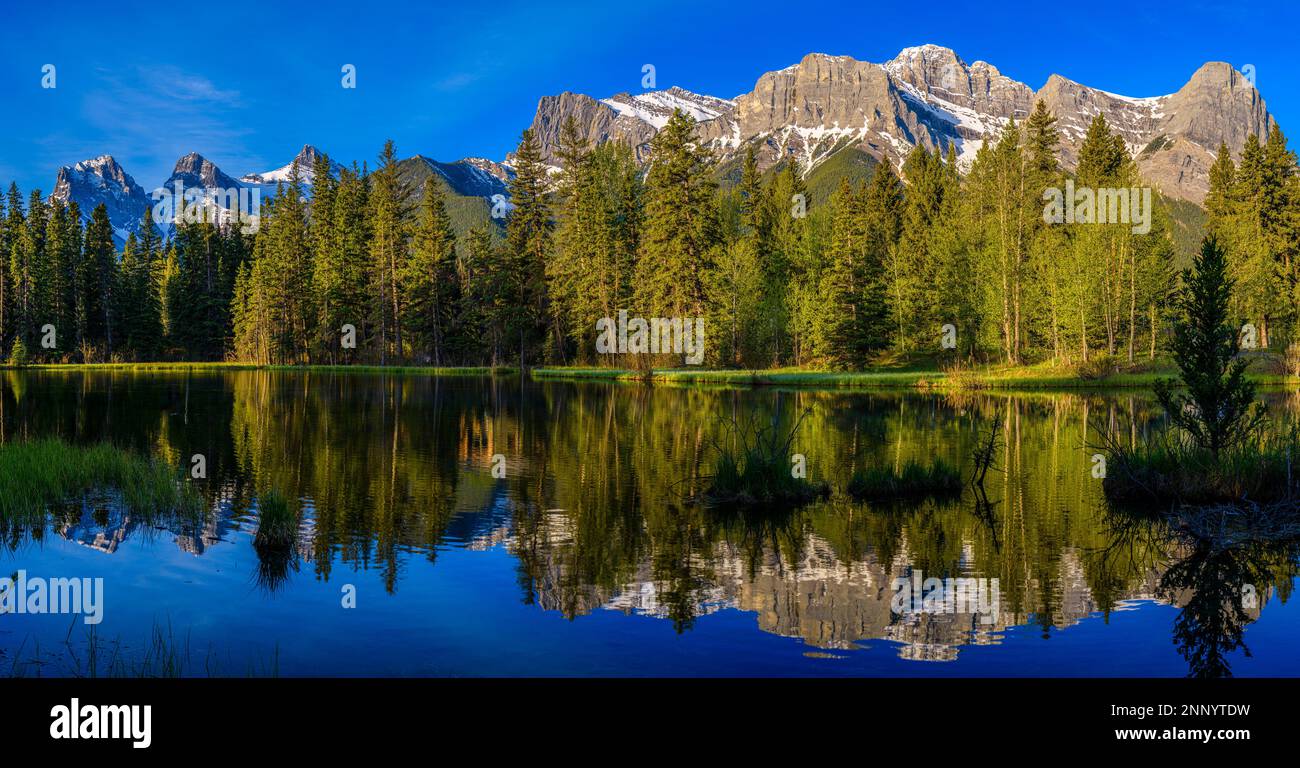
[923, 377]
[169, 367]
[993, 378]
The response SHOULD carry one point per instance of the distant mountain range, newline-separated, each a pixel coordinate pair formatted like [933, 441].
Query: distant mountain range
[825, 110]
[103, 180]
[827, 105]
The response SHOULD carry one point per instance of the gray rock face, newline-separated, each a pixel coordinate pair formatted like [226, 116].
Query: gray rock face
[471, 177]
[597, 123]
[938, 73]
[928, 95]
[103, 180]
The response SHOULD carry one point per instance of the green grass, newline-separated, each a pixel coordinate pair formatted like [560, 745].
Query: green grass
[754, 469]
[40, 474]
[754, 478]
[914, 375]
[277, 522]
[1169, 471]
[922, 372]
[914, 480]
[223, 366]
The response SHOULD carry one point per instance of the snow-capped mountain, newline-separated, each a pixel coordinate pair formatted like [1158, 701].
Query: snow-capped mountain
[473, 176]
[927, 95]
[196, 171]
[103, 180]
[655, 107]
[306, 160]
[811, 110]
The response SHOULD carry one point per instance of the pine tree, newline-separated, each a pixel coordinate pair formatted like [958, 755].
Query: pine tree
[681, 225]
[429, 279]
[778, 226]
[341, 273]
[389, 239]
[1218, 201]
[29, 264]
[56, 285]
[850, 292]
[1218, 410]
[324, 249]
[97, 283]
[911, 268]
[487, 300]
[147, 330]
[528, 241]
[9, 228]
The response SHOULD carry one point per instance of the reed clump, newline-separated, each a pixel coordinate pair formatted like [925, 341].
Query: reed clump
[912, 480]
[39, 475]
[277, 523]
[756, 468]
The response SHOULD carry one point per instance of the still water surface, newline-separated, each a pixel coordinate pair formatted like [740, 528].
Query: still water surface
[588, 558]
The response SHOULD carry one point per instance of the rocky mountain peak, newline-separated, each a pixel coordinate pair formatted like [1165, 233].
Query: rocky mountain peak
[102, 180]
[194, 170]
[928, 95]
[306, 160]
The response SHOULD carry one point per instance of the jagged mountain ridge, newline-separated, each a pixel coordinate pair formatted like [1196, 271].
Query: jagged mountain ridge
[103, 180]
[812, 110]
[928, 95]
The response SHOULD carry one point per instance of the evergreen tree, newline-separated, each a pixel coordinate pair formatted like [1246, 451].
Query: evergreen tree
[528, 241]
[341, 273]
[97, 283]
[850, 292]
[1218, 409]
[681, 224]
[429, 279]
[389, 239]
[1219, 200]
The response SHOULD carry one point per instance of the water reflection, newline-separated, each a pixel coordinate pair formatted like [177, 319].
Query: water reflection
[593, 508]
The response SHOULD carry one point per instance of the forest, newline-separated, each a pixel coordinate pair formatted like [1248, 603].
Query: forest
[922, 261]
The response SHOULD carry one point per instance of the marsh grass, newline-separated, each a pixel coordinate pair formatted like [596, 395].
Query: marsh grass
[161, 655]
[40, 476]
[277, 523]
[913, 480]
[963, 377]
[198, 367]
[753, 469]
[1260, 472]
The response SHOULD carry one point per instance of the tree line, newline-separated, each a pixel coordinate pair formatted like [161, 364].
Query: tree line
[920, 261]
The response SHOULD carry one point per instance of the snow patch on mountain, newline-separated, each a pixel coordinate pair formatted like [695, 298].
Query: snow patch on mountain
[656, 107]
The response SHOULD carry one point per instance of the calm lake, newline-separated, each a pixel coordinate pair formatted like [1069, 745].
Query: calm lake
[588, 557]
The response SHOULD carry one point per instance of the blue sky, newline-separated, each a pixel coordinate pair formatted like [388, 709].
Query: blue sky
[247, 85]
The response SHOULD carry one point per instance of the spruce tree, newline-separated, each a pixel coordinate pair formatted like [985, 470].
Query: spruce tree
[389, 239]
[1218, 409]
[99, 281]
[429, 278]
[528, 241]
[681, 225]
[1218, 201]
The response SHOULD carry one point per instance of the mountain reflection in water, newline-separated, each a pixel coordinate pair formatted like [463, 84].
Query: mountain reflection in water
[392, 477]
